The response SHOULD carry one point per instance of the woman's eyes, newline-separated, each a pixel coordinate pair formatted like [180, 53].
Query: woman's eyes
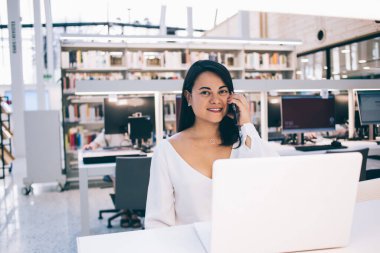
[208, 93]
[205, 93]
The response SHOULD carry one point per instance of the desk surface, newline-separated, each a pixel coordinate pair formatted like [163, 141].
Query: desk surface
[285, 150]
[365, 237]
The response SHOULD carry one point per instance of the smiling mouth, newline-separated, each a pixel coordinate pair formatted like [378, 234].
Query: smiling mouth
[214, 109]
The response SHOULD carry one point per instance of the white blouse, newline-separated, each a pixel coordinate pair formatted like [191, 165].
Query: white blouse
[178, 194]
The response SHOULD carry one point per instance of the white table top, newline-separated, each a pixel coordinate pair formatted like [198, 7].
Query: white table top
[365, 237]
[285, 150]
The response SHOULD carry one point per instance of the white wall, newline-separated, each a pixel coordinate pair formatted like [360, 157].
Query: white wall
[305, 28]
[300, 27]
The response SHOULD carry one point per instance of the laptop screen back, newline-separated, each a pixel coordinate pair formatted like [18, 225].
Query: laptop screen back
[283, 204]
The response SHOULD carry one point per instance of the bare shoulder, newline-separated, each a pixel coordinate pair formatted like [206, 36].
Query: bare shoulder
[179, 138]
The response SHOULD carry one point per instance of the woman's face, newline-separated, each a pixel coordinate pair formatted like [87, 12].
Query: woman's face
[209, 97]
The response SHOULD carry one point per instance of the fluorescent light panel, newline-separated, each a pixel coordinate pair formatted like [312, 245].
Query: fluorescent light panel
[153, 39]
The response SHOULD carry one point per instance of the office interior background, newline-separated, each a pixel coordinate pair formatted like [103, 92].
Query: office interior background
[65, 65]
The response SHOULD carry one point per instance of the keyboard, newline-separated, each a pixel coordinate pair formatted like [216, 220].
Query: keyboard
[109, 156]
[317, 147]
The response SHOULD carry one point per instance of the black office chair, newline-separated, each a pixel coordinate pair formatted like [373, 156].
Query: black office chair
[364, 152]
[132, 179]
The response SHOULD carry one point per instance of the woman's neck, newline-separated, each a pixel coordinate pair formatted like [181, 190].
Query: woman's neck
[205, 130]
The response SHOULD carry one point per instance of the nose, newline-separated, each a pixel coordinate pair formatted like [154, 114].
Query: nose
[215, 99]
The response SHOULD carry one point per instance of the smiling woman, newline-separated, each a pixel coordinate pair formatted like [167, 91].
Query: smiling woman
[181, 169]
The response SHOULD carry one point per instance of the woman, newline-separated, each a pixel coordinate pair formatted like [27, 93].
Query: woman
[181, 170]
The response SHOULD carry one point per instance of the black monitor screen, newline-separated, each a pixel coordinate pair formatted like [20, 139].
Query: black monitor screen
[140, 127]
[341, 109]
[369, 106]
[116, 113]
[274, 111]
[307, 114]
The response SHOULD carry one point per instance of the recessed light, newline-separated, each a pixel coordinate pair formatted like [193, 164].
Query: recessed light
[304, 60]
[362, 61]
[366, 67]
[345, 51]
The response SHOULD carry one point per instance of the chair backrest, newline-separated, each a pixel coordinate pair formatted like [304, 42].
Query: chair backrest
[364, 153]
[132, 179]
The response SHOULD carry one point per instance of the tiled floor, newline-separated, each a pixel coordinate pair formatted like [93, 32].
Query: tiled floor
[47, 220]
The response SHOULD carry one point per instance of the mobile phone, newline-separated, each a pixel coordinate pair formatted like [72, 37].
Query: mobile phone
[232, 109]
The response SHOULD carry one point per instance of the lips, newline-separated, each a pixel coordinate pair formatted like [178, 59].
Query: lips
[215, 109]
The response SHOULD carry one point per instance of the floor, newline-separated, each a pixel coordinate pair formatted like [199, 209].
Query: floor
[47, 220]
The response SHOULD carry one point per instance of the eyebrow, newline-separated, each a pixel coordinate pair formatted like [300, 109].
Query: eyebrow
[208, 88]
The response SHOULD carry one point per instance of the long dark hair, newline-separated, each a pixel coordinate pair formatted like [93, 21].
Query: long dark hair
[229, 132]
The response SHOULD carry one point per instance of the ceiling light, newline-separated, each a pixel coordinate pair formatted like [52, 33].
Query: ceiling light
[344, 76]
[366, 67]
[304, 60]
[155, 39]
[362, 61]
[345, 51]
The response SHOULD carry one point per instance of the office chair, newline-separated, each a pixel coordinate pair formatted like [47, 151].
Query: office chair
[132, 179]
[364, 152]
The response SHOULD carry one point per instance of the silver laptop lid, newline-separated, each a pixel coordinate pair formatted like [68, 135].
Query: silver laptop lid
[283, 204]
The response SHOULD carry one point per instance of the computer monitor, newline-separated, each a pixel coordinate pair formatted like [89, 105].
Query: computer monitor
[307, 114]
[140, 127]
[116, 113]
[274, 111]
[369, 106]
[341, 109]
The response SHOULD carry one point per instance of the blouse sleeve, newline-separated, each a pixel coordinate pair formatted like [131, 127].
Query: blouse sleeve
[160, 210]
[258, 148]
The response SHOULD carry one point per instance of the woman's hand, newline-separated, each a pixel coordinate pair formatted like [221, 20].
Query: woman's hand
[242, 106]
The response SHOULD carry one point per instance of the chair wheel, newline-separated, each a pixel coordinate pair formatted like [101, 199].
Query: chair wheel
[100, 216]
[109, 226]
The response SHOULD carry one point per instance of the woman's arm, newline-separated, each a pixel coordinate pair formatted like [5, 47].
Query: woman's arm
[160, 210]
[252, 144]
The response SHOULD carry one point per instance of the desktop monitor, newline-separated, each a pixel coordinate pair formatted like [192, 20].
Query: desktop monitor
[274, 111]
[369, 106]
[307, 114]
[140, 127]
[116, 113]
[341, 109]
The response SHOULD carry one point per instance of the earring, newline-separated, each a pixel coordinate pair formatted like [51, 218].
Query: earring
[189, 104]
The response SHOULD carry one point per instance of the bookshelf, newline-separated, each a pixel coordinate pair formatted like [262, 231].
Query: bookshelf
[150, 63]
[5, 135]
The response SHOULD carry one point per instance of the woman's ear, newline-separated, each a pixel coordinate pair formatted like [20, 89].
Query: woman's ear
[188, 97]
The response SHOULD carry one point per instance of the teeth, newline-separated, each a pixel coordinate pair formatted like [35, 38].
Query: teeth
[216, 110]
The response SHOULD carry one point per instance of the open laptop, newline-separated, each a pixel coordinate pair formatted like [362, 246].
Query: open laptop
[282, 204]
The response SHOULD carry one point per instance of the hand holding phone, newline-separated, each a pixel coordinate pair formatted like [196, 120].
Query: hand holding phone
[233, 110]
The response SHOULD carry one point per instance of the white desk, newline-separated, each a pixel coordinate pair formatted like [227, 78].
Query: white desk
[85, 172]
[365, 237]
[289, 150]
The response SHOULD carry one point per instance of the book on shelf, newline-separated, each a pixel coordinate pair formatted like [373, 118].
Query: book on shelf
[257, 60]
[261, 75]
[7, 133]
[69, 80]
[8, 157]
[138, 75]
[83, 113]
[91, 59]
[5, 107]
[77, 137]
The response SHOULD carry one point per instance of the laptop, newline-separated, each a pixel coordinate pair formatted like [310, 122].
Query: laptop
[282, 204]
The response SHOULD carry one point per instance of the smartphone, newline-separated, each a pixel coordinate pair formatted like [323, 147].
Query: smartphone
[232, 109]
